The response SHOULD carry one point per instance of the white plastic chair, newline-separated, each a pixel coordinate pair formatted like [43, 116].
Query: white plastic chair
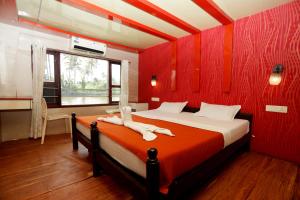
[46, 117]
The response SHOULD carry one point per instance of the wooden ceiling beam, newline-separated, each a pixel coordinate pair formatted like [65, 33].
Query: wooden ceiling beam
[99, 11]
[162, 14]
[54, 29]
[214, 10]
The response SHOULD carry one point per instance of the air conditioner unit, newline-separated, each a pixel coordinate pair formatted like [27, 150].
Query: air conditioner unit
[88, 46]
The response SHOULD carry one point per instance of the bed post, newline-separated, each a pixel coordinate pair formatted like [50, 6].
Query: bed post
[95, 148]
[74, 132]
[152, 174]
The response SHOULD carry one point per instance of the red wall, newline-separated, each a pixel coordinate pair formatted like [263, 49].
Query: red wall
[260, 42]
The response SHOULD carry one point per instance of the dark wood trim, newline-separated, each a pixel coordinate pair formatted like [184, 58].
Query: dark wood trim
[57, 74]
[149, 187]
[77, 136]
[95, 148]
[109, 84]
[152, 174]
[16, 98]
[16, 110]
[74, 132]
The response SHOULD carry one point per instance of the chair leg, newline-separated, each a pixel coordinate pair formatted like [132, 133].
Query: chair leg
[44, 130]
[70, 126]
[66, 125]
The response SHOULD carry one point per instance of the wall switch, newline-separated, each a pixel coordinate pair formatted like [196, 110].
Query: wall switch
[280, 109]
[154, 99]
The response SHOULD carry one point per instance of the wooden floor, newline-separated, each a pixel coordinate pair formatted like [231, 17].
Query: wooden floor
[29, 170]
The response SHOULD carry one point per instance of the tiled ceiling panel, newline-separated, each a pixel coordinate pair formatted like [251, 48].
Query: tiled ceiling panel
[238, 9]
[65, 17]
[188, 11]
[122, 8]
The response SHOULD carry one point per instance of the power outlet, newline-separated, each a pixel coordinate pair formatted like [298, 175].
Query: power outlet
[154, 99]
[279, 109]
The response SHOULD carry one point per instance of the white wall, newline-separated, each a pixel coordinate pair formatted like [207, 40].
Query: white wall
[15, 76]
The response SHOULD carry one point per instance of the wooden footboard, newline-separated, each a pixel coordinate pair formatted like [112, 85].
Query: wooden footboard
[149, 188]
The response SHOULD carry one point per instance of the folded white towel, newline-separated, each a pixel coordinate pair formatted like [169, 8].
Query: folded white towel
[146, 133]
[114, 120]
[164, 131]
[155, 129]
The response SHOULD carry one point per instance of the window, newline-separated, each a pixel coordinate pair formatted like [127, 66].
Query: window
[49, 69]
[51, 90]
[71, 79]
[116, 82]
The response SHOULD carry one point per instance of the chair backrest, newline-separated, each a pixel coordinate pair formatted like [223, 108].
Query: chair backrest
[44, 108]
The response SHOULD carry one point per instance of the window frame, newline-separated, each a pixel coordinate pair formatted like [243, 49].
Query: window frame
[111, 86]
[56, 83]
[57, 78]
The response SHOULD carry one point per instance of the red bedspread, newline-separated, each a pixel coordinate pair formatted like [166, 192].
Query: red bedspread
[178, 154]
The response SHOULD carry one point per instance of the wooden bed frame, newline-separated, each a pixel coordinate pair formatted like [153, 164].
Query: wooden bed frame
[148, 188]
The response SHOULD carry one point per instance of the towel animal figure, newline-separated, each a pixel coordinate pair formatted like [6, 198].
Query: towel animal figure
[126, 113]
[146, 130]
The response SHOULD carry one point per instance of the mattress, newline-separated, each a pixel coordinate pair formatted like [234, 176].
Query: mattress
[231, 131]
[117, 152]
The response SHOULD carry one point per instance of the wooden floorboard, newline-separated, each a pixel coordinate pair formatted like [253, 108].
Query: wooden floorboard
[237, 180]
[29, 170]
[297, 187]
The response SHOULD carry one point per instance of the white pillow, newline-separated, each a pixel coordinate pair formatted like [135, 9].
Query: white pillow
[172, 107]
[219, 112]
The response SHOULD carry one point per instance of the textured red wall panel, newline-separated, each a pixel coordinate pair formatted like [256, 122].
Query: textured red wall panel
[260, 42]
[228, 40]
[173, 66]
[197, 62]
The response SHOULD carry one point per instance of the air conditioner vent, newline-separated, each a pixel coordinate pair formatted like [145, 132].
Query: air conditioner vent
[88, 46]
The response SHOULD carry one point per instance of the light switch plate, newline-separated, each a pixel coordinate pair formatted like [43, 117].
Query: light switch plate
[154, 99]
[280, 109]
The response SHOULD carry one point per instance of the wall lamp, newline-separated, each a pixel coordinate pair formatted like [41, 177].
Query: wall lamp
[275, 77]
[153, 80]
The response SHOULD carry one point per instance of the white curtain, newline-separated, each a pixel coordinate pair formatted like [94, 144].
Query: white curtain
[124, 83]
[38, 66]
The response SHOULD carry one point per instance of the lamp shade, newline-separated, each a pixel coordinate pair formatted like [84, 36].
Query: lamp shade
[153, 80]
[275, 77]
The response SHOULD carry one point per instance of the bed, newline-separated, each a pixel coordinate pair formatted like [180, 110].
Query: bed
[152, 173]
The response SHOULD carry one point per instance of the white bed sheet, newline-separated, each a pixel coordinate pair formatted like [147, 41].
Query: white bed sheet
[231, 130]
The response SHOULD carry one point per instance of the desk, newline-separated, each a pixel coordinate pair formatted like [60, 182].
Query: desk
[22, 103]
